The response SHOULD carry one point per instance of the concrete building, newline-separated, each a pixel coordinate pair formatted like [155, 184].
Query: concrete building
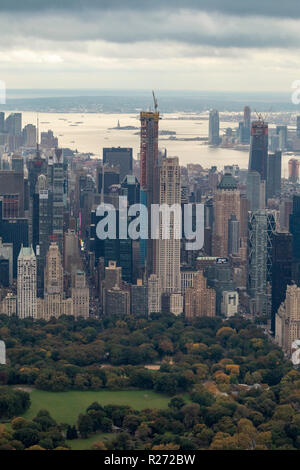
[154, 294]
[8, 306]
[214, 127]
[6, 252]
[226, 204]
[287, 328]
[27, 269]
[139, 299]
[117, 302]
[80, 296]
[230, 303]
[167, 265]
[200, 301]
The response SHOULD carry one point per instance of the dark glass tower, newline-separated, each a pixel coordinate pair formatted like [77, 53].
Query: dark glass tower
[258, 159]
[295, 231]
[281, 270]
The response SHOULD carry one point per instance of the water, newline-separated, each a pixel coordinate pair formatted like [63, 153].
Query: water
[94, 132]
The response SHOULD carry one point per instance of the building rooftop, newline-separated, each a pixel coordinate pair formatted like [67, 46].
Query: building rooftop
[227, 182]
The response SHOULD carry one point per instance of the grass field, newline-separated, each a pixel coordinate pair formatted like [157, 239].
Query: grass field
[86, 444]
[66, 406]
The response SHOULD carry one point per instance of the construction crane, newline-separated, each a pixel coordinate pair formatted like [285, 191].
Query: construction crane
[262, 117]
[155, 102]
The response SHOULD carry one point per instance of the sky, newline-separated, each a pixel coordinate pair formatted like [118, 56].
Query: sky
[223, 45]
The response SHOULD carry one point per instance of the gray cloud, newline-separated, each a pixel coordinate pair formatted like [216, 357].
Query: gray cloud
[269, 8]
[183, 26]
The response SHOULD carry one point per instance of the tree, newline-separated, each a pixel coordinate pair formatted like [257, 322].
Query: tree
[85, 425]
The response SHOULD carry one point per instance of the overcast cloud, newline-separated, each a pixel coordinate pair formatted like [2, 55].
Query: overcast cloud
[207, 45]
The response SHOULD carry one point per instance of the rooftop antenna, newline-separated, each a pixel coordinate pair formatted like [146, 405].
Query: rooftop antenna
[155, 102]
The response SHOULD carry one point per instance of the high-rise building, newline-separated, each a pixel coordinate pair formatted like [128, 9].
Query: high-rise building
[247, 118]
[258, 159]
[139, 299]
[282, 132]
[130, 187]
[274, 175]
[6, 253]
[2, 122]
[298, 127]
[29, 136]
[80, 296]
[53, 282]
[149, 173]
[154, 294]
[226, 204]
[214, 127]
[14, 231]
[12, 193]
[13, 124]
[41, 227]
[167, 264]
[121, 157]
[233, 235]
[200, 301]
[262, 226]
[294, 166]
[117, 302]
[254, 190]
[111, 177]
[295, 231]
[27, 300]
[230, 303]
[56, 184]
[281, 270]
[287, 328]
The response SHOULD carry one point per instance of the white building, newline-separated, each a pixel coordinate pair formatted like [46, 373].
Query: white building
[230, 303]
[2, 353]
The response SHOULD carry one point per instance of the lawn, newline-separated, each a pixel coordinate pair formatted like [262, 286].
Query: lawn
[66, 406]
[86, 444]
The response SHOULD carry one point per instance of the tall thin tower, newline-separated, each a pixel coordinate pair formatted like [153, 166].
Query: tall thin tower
[149, 169]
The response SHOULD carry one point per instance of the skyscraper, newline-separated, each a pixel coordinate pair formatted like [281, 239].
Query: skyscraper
[258, 159]
[254, 190]
[288, 319]
[80, 296]
[119, 156]
[262, 226]
[214, 127]
[294, 166]
[27, 300]
[167, 264]
[226, 204]
[56, 181]
[274, 175]
[149, 171]
[53, 282]
[295, 231]
[200, 301]
[281, 270]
